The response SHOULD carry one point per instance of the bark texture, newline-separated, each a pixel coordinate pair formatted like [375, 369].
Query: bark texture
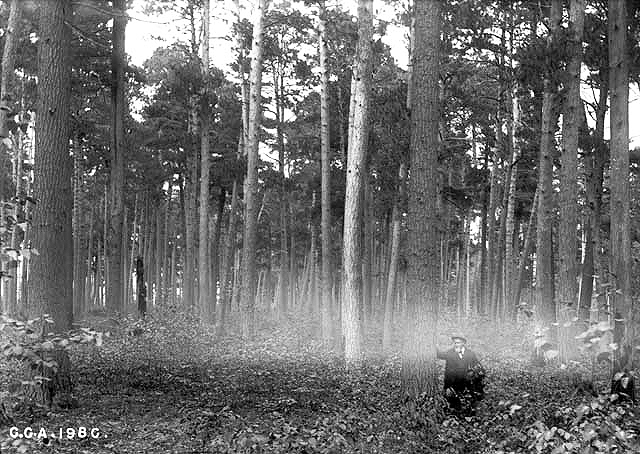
[356, 156]
[51, 277]
[568, 238]
[423, 251]
[545, 302]
[115, 289]
[325, 158]
[203, 234]
[620, 246]
[248, 291]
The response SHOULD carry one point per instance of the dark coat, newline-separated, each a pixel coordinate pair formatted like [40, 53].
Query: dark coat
[459, 372]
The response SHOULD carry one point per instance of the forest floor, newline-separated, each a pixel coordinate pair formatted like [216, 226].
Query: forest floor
[174, 389]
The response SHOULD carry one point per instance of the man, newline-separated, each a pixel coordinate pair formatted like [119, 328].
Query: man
[463, 376]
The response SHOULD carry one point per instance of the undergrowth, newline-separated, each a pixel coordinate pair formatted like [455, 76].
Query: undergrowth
[168, 385]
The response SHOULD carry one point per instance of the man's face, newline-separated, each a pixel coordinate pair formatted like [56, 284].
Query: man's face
[457, 345]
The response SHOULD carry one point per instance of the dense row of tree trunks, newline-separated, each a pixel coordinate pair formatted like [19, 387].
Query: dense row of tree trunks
[115, 287]
[545, 301]
[620, 243]
[356, 162]
[423, 236]
[433, 257]
[51, 274]
[251, 183]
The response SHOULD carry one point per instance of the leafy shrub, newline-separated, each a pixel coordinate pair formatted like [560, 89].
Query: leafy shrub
[39, 363]
[605, 425]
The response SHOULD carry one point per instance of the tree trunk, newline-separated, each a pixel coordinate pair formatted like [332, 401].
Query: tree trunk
[204, 306]
[142, 288]
[173, 286]
[135, 248]
[482, 303]
[594, 170]
[278, 88]
[310, 281]
[325, 157]
[510, 256]
[498, 281]
[8, 57]
[115, 289]
[526, 251]
[568, 241]
[356, 158]
[468, 307]
[105, 244]
[190, 208]
[418, 366]
[157, 255]
[22, 288]
[12, 280]
[125, 264]
[51, 276]
[78, 286]
[387, 330]
[491, 237]
[148, 245]
[90, 281]
[214, 233]
[367, 246]
[620, 245]
[97, 286]
[226, 286]
[10, 283]
[251, 189]
[169, 228]
[546, 306]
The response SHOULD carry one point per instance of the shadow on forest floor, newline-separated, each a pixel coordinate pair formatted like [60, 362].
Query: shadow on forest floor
[181, 392]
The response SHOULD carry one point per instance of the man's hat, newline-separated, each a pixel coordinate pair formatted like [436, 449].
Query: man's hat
[459, 338]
